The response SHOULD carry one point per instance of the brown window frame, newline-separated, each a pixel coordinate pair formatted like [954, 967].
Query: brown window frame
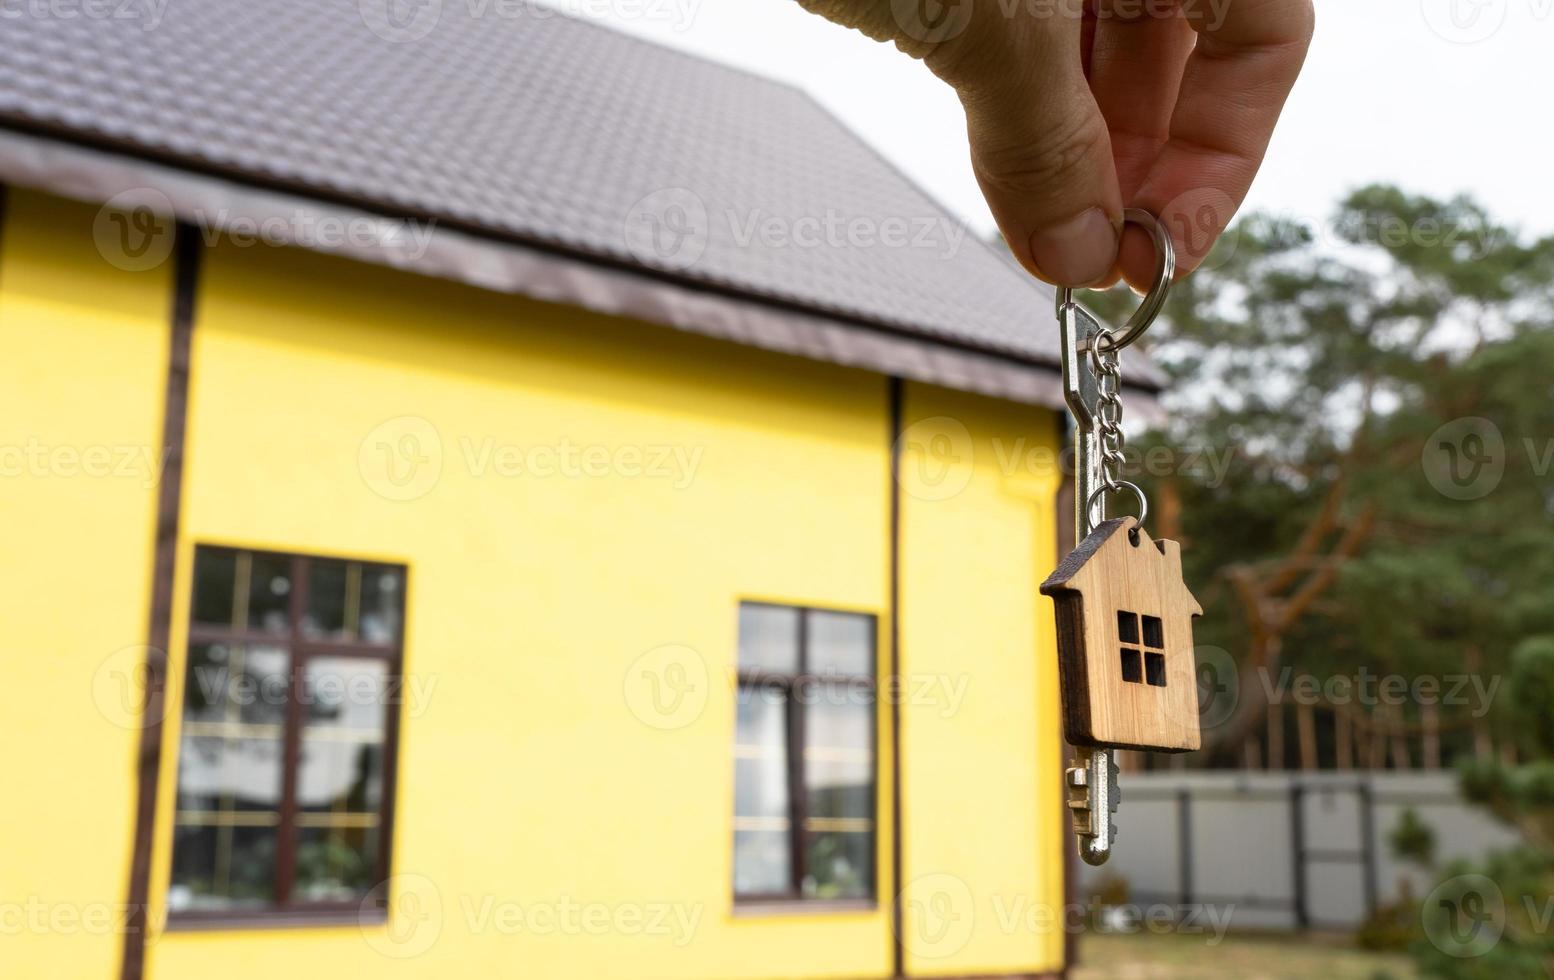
[750, 683]
[301, 649]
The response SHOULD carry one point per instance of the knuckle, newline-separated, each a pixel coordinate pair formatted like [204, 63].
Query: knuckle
[1052, 157]
[975, 51]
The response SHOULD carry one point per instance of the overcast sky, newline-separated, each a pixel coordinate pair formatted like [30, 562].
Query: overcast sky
[1439, 96]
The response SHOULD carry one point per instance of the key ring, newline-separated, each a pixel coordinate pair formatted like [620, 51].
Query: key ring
[1165, 272]
[1102, 490]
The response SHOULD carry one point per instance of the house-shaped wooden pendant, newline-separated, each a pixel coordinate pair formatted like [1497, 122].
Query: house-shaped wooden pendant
[1125, 650]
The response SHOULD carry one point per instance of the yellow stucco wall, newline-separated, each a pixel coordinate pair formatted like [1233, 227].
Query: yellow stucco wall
[83, 351]
[984, 841]
[339, 409]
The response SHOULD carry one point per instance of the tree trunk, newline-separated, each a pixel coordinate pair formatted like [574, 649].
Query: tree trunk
[1343, 740]
[1378, 749]
[1274, 601]
[1276, 736]
[1508, 753]
[1430, 740]
[1306, 724]
[1251, 754]
[1400, 760]
[1483, 741]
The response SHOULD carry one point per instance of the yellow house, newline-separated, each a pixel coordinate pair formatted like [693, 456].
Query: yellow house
[497, 498]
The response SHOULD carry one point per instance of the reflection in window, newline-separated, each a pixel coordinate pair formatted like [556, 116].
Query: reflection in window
[340, 780]
[289, 700]
[804, 760]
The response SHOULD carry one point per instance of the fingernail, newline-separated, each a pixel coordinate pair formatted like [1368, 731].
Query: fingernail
[1077, 252]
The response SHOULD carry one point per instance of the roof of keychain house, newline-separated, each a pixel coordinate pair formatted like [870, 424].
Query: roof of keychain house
[556, 158]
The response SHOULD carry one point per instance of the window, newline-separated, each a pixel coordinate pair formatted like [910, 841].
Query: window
[285, 771]
[1147, 666]
[804, 755]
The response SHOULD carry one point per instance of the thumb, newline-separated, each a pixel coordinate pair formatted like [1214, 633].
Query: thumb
[1039, 145]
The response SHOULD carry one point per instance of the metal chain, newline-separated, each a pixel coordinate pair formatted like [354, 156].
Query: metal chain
[1108, 378]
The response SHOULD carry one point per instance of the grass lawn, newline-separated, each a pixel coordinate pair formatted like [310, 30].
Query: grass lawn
[1257, 957]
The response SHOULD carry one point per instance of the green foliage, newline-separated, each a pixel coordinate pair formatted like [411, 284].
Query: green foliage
[1487, 783]
[1413, 839]
[1532, 693]
[1320, 363]
[1392, 928]
[1339, 367]
[1504, 934]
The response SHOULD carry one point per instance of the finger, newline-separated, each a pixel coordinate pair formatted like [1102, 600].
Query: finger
[1087, 37]
[1234, 87]
[1136, 64]
[1039, 145]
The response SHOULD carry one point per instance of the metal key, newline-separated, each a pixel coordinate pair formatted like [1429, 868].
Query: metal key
[1091, 779]
[1093, 794]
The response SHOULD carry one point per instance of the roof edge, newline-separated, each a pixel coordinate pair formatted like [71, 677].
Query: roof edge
[432, 248]
[1076, 560]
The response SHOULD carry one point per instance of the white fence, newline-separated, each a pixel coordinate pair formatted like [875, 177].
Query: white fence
[1284, 850]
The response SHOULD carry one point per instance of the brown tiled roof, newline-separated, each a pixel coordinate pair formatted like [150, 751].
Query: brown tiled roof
[520, 123]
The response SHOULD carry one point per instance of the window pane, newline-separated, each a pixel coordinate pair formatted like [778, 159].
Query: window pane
[839, 757]
[219, 776]
[762, 845]
[761, 757]
[335, 863]
[325, 617]
[229, 777]
[206, 683]
[214, 577]
[269, 594]
[380, 603]
[839, 791]
[841, 865]
[340, 777]
[345, 714]
[1154, 632]
[761, 862]
[222, 867]
[235, 685]
[768, 638]
[841, 643]
[1127, 626]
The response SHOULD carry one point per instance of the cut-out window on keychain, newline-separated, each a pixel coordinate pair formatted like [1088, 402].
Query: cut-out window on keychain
[1142, 666]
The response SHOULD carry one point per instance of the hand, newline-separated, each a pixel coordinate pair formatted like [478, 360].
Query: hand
[1077, 107]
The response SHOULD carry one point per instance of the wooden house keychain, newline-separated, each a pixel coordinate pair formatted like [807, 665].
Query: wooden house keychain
[1125, 653]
